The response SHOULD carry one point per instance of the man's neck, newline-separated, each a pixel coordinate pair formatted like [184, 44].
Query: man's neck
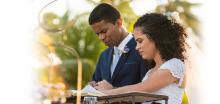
[124, 35]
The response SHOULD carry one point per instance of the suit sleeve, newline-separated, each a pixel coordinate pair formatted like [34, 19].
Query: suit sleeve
[97, 74]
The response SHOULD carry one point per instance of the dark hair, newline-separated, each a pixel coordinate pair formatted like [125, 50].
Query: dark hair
[168, 35]
[104, 12]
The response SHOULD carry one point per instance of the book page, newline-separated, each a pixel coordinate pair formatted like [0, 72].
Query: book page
[88, 90]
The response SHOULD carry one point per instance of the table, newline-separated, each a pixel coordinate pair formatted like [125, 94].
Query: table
[127, 98]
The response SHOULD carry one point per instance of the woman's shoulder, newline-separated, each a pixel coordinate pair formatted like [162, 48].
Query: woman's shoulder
[176, 67]
[174, 62]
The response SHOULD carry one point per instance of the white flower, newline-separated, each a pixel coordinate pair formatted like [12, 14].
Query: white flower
[126, 50]
[173, 16]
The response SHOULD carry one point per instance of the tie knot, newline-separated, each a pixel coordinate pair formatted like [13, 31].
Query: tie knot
[117, 51]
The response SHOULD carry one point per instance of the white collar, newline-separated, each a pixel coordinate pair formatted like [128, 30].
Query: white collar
[123, 43]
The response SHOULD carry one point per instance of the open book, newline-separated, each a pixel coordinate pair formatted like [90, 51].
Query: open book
[88, 90]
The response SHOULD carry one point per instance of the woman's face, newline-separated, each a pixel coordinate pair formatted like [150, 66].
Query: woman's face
[145, 46]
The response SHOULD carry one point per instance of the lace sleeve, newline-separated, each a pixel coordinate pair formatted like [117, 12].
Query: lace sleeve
[176, 68]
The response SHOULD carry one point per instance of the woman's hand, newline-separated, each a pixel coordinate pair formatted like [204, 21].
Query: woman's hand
[93, 83]
[103, 85]
[107, 92]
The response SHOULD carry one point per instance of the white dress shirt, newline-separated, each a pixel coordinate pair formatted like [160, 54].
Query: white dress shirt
[118, 52]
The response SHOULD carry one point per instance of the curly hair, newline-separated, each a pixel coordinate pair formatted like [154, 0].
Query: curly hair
[167, 35]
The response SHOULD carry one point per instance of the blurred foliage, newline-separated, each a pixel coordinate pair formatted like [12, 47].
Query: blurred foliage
[70, 38]
[76, 40]
[184, 8]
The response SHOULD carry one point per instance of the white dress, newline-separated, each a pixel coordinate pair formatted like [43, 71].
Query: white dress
[173, 91]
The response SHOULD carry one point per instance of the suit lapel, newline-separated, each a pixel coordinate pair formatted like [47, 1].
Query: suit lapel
[108, 66]
[122, 59]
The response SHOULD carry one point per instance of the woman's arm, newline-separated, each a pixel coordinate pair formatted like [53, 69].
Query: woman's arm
[156, 81]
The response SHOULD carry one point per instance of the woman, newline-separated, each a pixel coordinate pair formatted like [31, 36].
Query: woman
[161, 39]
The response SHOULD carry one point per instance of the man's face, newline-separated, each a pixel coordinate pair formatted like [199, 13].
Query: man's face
[107, 32]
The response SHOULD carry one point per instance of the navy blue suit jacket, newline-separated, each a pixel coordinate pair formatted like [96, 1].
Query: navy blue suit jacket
[130, 68]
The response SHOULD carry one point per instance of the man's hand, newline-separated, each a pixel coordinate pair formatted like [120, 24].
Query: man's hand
[103, 85]
[93, 83]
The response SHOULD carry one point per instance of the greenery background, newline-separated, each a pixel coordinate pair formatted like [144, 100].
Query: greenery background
[75, 34]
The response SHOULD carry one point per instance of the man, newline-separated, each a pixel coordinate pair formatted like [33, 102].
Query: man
[120, 64]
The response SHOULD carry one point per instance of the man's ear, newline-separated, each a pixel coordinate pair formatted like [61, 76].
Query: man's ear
[119, 22]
